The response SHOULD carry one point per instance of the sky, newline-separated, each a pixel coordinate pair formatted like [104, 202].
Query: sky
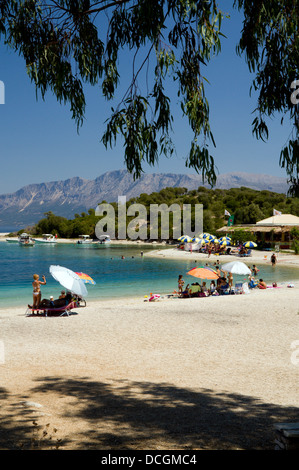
[39, 141]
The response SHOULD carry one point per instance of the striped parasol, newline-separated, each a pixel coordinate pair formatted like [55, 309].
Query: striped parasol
[228, 239]
[86, 278]
[250, 244]
[204, 235]
[185, 239]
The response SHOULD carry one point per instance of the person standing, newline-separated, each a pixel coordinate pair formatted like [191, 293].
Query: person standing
[37, 295]
[273, 259]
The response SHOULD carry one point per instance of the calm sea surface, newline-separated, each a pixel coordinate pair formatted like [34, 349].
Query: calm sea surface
[115, 277]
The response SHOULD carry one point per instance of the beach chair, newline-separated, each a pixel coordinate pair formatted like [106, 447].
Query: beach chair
[52, 311]
[224, 290]
[248, 253]
[239, 288]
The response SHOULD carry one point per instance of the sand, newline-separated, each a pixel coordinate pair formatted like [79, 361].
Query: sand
[184, 374]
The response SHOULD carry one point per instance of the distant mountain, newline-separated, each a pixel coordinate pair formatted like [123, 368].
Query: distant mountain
[75, 195]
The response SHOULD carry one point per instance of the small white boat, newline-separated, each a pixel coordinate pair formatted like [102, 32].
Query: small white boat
[26, 240]
[104, 240]
[84, 240]
[12, 240]
[47, 238]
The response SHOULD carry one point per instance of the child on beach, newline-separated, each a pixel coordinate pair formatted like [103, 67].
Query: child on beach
[37, 295]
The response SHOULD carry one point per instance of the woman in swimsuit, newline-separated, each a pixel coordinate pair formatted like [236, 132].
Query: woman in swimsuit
[37, 295]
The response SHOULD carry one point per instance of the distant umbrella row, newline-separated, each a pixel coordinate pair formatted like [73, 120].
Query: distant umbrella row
[206, 238]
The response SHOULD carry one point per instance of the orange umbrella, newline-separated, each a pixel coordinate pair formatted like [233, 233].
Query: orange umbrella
[203, 273]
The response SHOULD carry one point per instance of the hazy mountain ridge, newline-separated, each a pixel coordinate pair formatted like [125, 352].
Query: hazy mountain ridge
[75, 195]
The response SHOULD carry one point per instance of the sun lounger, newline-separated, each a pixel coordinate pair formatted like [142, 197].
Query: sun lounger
[248, 253]
[52, 311]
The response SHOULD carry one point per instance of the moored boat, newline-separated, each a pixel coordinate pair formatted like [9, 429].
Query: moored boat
[26, 240]
[84, 240]
[47, 238]
[104, 240]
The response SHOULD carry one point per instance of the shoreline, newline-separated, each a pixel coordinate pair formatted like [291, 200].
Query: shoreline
[3, 237]
[256, 257]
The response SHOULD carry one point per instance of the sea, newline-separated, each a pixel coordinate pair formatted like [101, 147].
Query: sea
[119, 271]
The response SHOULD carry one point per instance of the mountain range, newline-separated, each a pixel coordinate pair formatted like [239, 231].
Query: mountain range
[76, 195]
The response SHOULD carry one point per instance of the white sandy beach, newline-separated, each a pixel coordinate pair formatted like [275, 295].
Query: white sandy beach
[200, 373]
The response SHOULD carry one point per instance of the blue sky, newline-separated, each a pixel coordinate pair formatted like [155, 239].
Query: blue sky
[40, 143]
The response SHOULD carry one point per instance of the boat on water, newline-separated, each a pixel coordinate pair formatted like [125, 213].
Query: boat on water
[12, 240]
[104, 240]
[47, 238]
[84, 240]
[26, 240]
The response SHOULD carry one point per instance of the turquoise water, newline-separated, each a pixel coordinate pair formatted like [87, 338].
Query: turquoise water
[115, 277]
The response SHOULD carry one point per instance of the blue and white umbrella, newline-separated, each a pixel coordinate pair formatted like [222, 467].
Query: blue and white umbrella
[225, 243]
[204, 235]
[228, 239]
[185, 239]
[250, 244]
[210, 237]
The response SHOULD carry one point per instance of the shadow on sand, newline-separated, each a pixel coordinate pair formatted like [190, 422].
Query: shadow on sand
[139, 415]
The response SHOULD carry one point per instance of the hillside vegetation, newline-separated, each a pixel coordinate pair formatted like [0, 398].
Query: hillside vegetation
[247, 205]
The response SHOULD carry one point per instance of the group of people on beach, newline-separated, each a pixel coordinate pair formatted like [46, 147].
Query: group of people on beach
[38, 303]
[224, 283]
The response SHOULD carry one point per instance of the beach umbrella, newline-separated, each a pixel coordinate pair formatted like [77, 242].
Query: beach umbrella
[185, 239]
[225, 239]
[204, 235]
[86, 278]
[195, 240]
[69, 280]
[210, 237]
[250, 244]
[236, 267]
[225, 243]
[203, 273]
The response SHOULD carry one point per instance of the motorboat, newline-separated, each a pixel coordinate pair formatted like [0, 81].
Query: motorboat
[104, 240]
[84, 240]
[12, 240]
[26, 240]
[47, 238]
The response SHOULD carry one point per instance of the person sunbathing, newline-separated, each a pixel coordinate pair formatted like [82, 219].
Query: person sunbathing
[252, 282]
[262, 284]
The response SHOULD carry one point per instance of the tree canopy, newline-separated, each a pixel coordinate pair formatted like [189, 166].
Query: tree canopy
[69, 43]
